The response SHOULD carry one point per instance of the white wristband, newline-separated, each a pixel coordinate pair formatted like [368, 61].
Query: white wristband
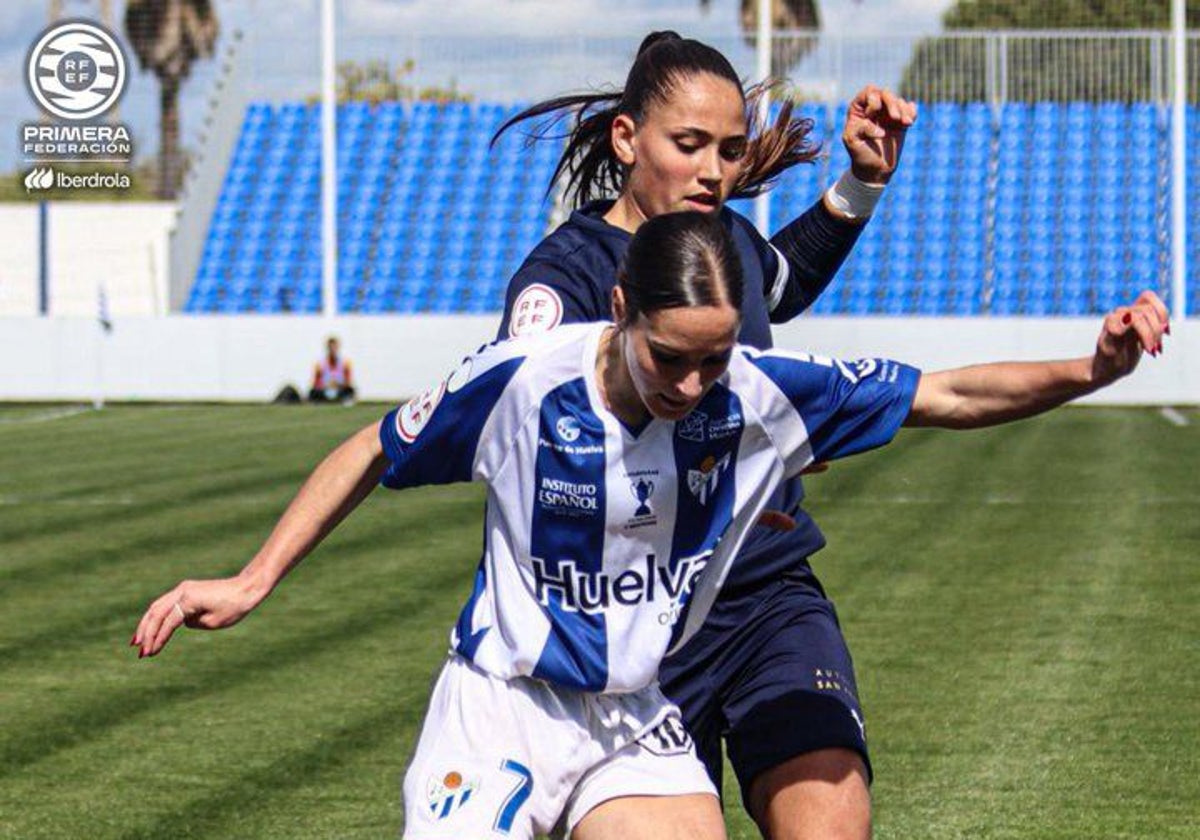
[853, 198]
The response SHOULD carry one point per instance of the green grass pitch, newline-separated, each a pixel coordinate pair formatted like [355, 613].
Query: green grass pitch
[1023, 604]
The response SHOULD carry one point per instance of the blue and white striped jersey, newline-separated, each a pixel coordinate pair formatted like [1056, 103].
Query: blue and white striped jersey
[604, 546]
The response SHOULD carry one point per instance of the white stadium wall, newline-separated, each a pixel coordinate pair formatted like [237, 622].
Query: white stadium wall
[19, 267]
[120, 246]
[252, 357]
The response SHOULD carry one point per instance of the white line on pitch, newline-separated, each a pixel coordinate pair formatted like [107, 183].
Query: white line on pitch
[1173, 416]
[87, 501]
[45, 416]
[1008, 501]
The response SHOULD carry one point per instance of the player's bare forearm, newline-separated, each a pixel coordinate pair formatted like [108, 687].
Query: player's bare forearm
[335, 488]
[986, 395]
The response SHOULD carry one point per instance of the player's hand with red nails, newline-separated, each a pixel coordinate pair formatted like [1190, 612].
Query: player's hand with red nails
[876, 122]
[201, 604]
[1128, 332]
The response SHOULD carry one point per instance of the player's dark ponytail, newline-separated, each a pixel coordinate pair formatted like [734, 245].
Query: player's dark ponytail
[589, 163]
[680, 259]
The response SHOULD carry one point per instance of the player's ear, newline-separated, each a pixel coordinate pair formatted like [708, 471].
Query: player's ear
[618, 305]
[623, 131]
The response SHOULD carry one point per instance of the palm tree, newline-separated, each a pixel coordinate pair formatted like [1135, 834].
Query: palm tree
[786, 15]
[168, 36]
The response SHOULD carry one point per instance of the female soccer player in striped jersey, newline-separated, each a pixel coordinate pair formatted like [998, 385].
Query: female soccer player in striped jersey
[625, 463]
[676, 137]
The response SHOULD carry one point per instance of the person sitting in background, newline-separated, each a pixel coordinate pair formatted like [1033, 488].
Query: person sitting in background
[332, 380]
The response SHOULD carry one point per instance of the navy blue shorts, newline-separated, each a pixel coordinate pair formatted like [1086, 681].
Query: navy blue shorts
[771, 674]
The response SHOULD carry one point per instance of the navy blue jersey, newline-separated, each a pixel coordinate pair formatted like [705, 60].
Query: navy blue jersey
[569, 278]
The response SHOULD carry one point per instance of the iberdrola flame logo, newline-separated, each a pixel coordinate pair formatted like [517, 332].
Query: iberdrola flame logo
[39, 179]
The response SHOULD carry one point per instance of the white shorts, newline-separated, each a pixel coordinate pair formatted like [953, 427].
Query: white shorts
[515, 758]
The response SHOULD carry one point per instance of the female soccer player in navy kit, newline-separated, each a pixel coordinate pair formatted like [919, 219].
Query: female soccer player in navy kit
[676, 138]
[625, 463]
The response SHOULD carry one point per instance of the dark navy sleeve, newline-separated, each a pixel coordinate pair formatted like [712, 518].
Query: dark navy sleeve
[435, 438]
[813, 247]
[542, 295]
[846, 407]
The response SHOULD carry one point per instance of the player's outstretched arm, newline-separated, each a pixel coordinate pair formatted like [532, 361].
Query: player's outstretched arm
[986, 395]
[335, 488]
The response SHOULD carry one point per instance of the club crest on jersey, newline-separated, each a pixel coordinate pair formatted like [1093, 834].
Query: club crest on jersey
[692, 427]
[449, 792]
[703, 482]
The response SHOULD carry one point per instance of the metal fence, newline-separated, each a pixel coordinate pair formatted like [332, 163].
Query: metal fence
[996, 68]
[1021, 66]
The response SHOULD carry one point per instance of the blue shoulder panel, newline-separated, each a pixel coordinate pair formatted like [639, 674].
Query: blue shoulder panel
[847, 407]
[433, 438]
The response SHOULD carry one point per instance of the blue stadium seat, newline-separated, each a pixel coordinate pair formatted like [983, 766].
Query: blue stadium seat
[430, 219]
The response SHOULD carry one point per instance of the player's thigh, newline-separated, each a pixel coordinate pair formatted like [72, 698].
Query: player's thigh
[796, 694]
[494, 756]
[654, 787]
[822, 795]
[694, 816]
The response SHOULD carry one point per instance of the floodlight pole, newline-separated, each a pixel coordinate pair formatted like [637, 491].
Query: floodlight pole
[1179, 163]
[329, 248]
[762, 204]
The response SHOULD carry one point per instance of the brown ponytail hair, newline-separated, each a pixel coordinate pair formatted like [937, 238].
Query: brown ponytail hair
[589, 163]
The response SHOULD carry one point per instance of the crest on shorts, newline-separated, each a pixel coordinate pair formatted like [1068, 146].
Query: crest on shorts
[449, 792]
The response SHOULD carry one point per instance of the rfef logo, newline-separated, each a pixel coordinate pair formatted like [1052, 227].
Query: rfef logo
[76, 70]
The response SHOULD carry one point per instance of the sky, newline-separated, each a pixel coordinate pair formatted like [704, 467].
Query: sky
[494, 49]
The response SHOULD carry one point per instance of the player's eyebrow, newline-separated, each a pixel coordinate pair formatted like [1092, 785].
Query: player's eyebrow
[702, 134]
[662, 347]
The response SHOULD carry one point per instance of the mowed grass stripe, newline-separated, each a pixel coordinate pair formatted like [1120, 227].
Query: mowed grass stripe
[163, 468]
[418, 522]
[287, 692]
[991, 696]
[1005, 658]
[377, 570]
[112, 573]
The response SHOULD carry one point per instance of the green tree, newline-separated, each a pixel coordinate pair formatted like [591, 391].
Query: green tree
[1082, 67]
[169, 36]
[786, 15]
[376, 81]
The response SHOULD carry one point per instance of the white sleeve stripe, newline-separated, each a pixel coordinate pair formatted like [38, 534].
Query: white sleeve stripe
[781, 280]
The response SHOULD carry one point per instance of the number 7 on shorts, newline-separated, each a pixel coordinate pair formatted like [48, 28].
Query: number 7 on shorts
[508, 811]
